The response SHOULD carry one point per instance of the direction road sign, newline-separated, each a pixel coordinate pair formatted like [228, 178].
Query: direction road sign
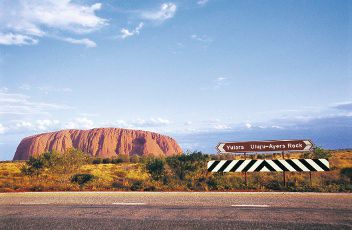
[265, 146]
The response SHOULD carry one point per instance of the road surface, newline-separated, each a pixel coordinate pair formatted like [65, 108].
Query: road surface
[175, 210]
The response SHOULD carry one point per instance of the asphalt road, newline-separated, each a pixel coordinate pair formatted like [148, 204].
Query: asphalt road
[174, 210]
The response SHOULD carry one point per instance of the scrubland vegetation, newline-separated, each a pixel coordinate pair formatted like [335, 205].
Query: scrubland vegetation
[75, 171]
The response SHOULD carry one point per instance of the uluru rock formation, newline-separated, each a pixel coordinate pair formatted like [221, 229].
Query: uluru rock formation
[100, 142]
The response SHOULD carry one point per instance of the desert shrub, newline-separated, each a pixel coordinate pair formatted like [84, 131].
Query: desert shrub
[274, 185]
[118, 185]
[156, 168]
[121, 174]
[317, 153]
[116, 160]
[213, 183]
[36, 188]
[137, 186]
[72, 160]
[135, 158]
[321, 153]
[347, 172]
[67, 162]
[106, 161]
[82, 179]
[223, 182]
[36, 164]
[150, 188]
[189, 163]
[96, 161]
[123, 158]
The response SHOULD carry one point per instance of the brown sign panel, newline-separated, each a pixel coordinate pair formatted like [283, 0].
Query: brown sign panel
[265, 146]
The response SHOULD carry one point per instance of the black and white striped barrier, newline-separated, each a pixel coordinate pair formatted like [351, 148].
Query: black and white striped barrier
[287, 165]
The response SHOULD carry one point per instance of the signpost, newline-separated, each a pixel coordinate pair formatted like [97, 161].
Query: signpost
[265, 146]
[272, 146]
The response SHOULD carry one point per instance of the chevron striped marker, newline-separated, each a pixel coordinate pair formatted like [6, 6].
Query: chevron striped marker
[288, 165]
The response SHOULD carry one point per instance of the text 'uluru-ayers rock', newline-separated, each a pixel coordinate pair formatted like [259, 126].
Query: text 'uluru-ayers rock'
[99, 142]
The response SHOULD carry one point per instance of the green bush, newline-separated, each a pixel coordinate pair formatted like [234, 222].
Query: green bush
[137, 186]
[35, 165]
[106, 161]
[97, 161]
[190, 163]
[347, 172]
[274, 185]
[123, 158]
[150, 188]
[116, 160]
[135, 158]
[118, 185]
[82, 179]
[156, 168]
[318, 153]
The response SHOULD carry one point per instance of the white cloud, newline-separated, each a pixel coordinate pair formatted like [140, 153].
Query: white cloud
[79, 123]
[4, 89]
[220, 82]
[152, 124]
[37, 125]
[46, 124]
[23, 125]
[12, 103]
[201, 38]
[221, 126]
[166, 11]
[85, 41]
[188, 123]
[221, 79]
[248, 125]
[189, 145]
[2, 129]
[17, 39]
[346, 106]
[25, 21]
[25, 87]
[216, 124]
[202, 2]
[125, 33]
[48, 89]
[217, 83]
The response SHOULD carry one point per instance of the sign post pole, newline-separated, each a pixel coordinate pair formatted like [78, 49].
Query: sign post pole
[283, 173]
[245, 173]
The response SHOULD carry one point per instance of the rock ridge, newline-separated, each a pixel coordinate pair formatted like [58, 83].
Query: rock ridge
[99, 142]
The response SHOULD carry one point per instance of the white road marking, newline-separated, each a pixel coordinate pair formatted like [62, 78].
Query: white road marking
[129, 203]
[251, 205]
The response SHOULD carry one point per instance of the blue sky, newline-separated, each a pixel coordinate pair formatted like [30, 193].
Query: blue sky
[200, 71]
